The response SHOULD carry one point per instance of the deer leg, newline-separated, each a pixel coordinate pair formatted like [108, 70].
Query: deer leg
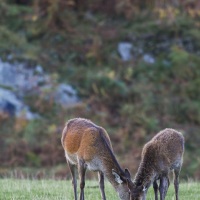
[155, 187]
[144, 195]
[101, 185]
[81, 171]
[176, 181]
[164, 184]
[74, 180]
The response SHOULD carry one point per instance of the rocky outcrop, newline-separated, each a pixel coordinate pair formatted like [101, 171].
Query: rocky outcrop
[17, 81]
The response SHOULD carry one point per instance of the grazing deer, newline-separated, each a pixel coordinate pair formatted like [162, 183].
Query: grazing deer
[160, 155]
[87, 145]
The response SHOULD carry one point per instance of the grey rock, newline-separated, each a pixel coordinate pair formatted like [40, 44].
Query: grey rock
[12, 105]
[65, 95]
[148, 58]
[18, 77]
[124, 49]
[17, 81]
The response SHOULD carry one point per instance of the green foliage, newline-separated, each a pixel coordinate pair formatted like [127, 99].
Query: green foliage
[77, 44]
[33, 159]
[178, 56]
[13, 14]
[9, 39]
[15, 45]
[34, 132]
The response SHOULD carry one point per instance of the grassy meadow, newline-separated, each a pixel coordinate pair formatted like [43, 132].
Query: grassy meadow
[14, 189]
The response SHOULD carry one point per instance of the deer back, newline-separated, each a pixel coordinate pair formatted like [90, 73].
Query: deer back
[84, 138]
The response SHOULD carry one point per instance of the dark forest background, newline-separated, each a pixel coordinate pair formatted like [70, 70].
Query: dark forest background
[76, 42]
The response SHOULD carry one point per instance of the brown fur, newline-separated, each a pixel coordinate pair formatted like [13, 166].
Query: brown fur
[87, 145]
[160, 155]
[80, 136]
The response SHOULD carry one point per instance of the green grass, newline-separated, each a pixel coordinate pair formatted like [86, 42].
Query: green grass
[13, 189]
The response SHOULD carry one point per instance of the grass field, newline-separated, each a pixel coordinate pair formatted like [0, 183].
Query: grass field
[51, 189]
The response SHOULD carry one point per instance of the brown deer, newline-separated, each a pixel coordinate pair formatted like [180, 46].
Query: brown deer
[87, 145]
[160, 155]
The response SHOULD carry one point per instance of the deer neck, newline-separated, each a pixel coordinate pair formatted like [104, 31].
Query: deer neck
[110, 163]
[107, 170]
[121, 189]
[144, 175]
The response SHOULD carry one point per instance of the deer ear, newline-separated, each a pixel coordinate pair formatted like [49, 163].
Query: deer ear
[117, 177]
[127, 173]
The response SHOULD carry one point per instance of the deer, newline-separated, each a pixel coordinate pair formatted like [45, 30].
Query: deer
[162, 154]
[88, 146]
